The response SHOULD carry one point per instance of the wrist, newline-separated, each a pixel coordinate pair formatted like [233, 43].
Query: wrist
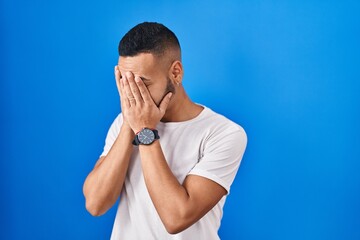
[125, 128]
[155, 144]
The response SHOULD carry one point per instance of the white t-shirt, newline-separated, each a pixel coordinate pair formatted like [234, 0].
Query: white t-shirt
[209, 145]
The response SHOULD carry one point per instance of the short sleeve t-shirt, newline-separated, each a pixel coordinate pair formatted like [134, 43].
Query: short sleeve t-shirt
[208, 145]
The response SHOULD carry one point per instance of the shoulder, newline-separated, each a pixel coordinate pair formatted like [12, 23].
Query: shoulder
[219, 125]
[116, 125]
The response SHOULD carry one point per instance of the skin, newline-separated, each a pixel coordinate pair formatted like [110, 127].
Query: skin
[150, 91]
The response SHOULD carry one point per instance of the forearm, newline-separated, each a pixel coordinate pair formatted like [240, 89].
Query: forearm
[103, 185]
[170, 198]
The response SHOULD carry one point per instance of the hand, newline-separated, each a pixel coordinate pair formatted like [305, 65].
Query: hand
[138, 107]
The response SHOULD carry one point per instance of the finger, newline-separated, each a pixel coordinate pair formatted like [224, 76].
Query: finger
[127, 90]
[134, 88]
[117, 77]
[124, 100]
[165, 103]
[144, 91]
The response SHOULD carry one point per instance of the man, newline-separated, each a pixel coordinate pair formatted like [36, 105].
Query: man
[170, 160]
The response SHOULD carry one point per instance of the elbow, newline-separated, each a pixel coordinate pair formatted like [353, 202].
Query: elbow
[176, 223]
[175, 227]
[96, 205]
[94, 208]
[93, 205]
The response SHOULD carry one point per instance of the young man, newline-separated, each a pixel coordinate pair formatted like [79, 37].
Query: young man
[170, 160]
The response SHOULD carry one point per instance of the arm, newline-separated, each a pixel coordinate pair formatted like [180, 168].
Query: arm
[179, 206]
[103, 185]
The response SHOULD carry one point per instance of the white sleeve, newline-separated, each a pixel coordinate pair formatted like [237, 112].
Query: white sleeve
[112, 134]
[222, 156]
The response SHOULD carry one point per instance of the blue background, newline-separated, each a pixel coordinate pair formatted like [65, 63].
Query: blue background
[287, 71]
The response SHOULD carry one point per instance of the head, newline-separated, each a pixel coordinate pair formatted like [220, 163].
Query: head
[152, 52]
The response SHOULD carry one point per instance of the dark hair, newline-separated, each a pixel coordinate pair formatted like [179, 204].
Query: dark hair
[148, 37]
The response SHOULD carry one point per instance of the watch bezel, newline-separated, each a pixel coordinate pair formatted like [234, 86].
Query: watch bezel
[154, 137]
[147, 133]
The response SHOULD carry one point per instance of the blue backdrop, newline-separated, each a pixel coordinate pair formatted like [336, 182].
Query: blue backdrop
[287, 71]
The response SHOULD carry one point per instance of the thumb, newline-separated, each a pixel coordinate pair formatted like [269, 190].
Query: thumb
[165, 102]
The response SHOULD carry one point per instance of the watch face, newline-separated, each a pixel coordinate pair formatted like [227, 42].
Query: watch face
[146, 136]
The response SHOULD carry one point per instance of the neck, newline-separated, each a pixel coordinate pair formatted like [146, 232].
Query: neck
[181, 108]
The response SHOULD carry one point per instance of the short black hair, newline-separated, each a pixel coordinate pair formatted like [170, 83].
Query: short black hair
[148, 37]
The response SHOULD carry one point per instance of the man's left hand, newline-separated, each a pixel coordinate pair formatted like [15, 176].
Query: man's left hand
[139, 108]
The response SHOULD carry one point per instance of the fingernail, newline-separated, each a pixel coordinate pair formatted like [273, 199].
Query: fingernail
[170, 95]
[128, 74]
[137, 79]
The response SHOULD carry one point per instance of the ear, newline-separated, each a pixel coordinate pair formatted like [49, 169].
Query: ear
[176, 72]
